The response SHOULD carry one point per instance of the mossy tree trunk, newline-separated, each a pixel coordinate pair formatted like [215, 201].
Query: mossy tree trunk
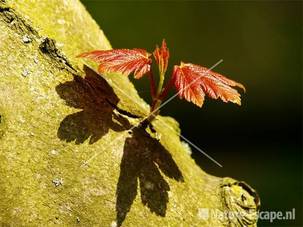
[56, 114]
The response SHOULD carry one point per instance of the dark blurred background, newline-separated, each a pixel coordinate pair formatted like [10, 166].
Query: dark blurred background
[261, 45]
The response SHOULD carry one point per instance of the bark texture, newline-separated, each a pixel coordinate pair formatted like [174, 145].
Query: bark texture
[56, 114]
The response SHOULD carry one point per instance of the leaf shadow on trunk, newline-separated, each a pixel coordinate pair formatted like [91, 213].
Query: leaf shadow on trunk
[95, 97]
[143, 158]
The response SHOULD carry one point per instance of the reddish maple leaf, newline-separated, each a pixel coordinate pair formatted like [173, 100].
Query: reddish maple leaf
[194, 81]
[125, 61]
[162, 55]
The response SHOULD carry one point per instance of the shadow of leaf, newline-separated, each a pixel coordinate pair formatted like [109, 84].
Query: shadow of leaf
[95, 97]
[143, 158]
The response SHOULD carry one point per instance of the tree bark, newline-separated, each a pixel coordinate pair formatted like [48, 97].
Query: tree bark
[69, 151]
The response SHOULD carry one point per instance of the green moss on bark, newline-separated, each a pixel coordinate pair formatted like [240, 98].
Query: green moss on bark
[55, 116]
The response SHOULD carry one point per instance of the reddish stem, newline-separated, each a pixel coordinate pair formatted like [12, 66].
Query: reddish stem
[159, 98]
[152, 85]
[166, 89]
[154, 111]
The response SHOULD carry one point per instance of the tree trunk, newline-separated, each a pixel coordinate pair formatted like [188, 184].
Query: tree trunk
[69, 151]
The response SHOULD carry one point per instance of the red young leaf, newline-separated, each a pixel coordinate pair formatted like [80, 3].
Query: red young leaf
[194, 81]
[124, 61]
[162, 55]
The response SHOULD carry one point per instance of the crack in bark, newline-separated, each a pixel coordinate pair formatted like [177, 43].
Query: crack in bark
[23, 27]
[10, 17]
[48, 46]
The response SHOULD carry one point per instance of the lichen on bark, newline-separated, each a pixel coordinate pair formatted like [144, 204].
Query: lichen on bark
[56, 114]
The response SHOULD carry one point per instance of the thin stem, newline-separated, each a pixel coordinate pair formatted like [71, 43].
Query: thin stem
[161, 94]
[155, 105]
[160, 85]
[156, 102]
[166, 89]
[152, 84]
